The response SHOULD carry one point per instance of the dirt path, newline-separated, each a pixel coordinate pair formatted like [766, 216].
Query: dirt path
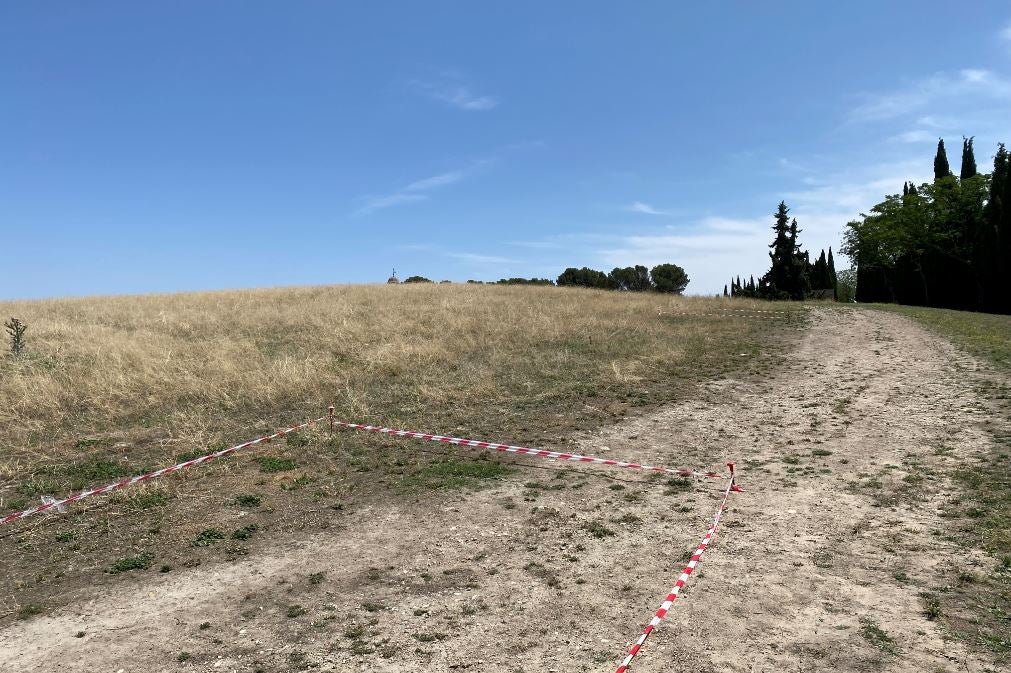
[558, 570]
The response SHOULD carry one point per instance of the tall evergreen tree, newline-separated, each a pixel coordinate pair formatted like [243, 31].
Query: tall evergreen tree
[832, 278]
[968, 159]
[905, 189]
[777, 279]
[725, 293]
[912, 189]
[941, 167]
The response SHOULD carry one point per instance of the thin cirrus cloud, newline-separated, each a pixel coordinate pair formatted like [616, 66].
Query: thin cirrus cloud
[417, 191]
[968, 83]
[455, 95]
[645, 209]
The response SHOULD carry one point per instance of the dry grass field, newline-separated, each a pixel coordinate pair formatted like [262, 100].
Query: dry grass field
[111, 386]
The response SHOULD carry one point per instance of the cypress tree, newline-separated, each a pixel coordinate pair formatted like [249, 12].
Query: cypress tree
[912, 189]
[905, 189]
[968, 159]
[832, 278]
[725, 293]
[941, 167]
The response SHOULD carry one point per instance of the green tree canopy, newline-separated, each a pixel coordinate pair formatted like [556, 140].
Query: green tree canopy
[669, 278]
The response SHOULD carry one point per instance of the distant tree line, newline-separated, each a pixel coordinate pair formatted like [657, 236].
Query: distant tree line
[668, 278]
[791, 274]
[944, 243]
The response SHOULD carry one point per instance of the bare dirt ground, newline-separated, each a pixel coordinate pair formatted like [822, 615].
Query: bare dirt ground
[820, 565]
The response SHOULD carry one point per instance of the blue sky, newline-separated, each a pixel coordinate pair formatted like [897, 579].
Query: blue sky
[194, 145]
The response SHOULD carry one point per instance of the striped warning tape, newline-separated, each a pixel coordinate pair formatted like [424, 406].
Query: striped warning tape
[682, 579]
[744, 313]
[50, 503]
[540, 453]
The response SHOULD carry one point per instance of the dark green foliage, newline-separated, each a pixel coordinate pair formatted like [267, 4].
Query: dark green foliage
[208, 537]
[584, 277]
[788, 275]
[16, 331]
[968, 160]
[944, 244]
[630, 279]
[941, 167]
[669, 278]
[138, 562]
[245, 532]
[833, 278]
[417, 279]
[248, 500]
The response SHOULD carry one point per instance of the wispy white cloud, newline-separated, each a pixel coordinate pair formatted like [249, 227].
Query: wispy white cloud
[434, 181]
[455, 94]
[645, 209]
[966, 82]
[1006, 33]
[414, 192]
[372, 204]
[915, 136]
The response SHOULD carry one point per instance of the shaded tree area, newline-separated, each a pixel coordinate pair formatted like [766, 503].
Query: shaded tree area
[791, 273]
[946, 243]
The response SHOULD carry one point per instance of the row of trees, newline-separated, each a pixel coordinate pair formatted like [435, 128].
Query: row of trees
[944, 243]
[667, 278]
[791, 275]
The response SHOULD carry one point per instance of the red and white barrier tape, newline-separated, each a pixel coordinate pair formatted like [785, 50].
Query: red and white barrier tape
[682, 579]
[744, 313]
[540, 453]
[58, 504]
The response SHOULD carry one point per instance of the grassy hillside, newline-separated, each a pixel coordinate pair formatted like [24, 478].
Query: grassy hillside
[205, 366]
[110, 386]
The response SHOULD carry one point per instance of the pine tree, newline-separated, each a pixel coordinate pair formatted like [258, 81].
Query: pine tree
[968, 159]
[778, 279]
[941, 167]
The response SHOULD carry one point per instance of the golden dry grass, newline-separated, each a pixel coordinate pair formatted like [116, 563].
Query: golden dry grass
[210, 365]
[113, 386]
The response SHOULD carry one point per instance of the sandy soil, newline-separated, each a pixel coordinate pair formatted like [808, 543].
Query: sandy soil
[513, 578]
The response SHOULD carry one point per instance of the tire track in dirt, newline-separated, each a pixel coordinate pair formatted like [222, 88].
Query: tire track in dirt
[560, 569]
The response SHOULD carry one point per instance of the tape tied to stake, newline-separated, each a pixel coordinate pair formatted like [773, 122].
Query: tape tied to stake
[50, 503]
